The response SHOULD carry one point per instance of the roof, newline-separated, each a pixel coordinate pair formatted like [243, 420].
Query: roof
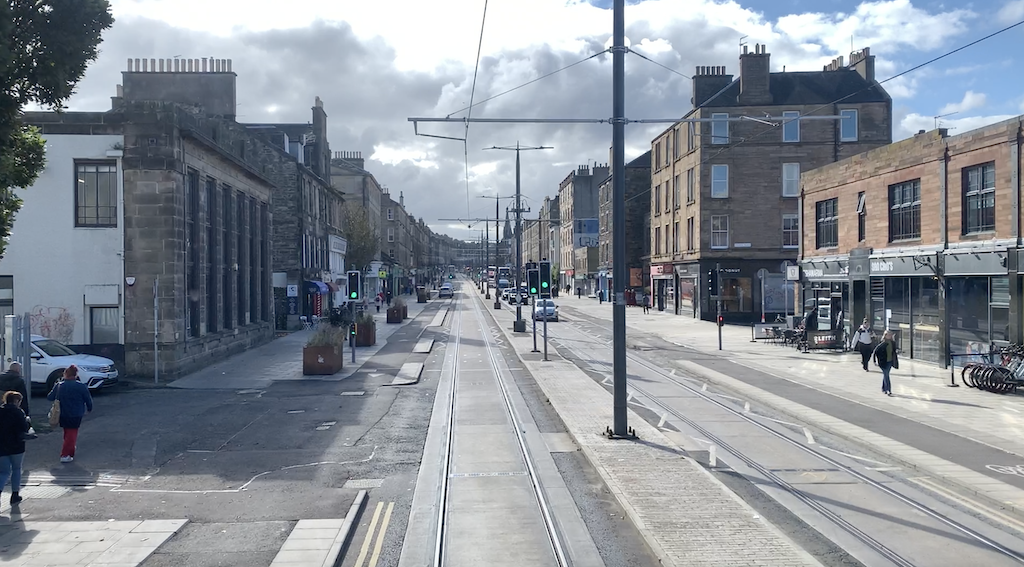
[812, 87]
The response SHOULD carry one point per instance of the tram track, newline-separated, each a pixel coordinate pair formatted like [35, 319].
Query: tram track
[809, 500]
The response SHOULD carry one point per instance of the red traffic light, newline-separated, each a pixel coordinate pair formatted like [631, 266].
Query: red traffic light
[721, 320]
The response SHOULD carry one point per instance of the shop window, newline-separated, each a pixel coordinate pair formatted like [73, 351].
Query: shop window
[827, 229]
[925, 313]
[736, 295]
[104, 326]
[968, 300]
[979, 188]
[905, 210]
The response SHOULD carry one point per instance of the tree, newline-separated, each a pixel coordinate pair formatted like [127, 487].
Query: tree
[363, 241]
[45, 47]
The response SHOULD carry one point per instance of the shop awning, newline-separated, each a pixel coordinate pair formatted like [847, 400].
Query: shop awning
[333, 286]
[317, 287]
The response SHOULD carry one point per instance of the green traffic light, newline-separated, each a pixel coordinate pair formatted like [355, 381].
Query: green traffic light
[533, 290]
[353, 295]
[544, 284]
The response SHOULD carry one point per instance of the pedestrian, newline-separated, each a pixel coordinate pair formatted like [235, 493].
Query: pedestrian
[579, 292]
[861, 342]
[75, 401]
[600, 296]
[14, 426]
[886, 359]
[376, 301]
[12, 380]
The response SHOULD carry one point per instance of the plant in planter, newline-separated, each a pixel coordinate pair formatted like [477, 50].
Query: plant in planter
[394, 314]
[366, 330]
[402, 307]
[322, 355]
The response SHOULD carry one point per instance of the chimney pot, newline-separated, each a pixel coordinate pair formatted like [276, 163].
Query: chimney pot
[744, 49]
[152, 65]
[161, 65]
[129, 64]
[204, 64]
[229, 65]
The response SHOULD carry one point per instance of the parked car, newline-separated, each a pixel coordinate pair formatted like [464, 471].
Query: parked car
[445, 291]
[543, 307]
[50, 358]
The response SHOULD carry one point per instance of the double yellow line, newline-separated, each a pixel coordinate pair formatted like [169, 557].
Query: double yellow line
[371, 531]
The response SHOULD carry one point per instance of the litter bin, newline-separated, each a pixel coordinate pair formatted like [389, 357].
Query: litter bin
[421, 294]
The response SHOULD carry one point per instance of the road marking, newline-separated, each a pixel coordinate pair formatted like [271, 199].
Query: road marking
[712, 456]
[325, 425]
[971, 504]
[664, 418]
[704, 388]
[380, 537]
[810, 438]
[746, 407]
[353, 393]
[883, 469]
[297, 411]
[865, 459]
[365, 549]
[363, 483]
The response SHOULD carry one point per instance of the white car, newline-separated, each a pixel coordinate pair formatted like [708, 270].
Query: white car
[545, 307]
[50, 358]
[445, 291]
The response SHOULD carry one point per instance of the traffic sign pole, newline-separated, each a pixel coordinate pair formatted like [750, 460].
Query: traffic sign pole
[533, 280]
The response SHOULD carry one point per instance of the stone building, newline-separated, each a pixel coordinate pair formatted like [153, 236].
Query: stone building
[725, 190]
[531, 241]
[578, 227]
[396, 241]
[307, 219]
[193, 214]
[638, 206]
[550, 233]
[922, 237]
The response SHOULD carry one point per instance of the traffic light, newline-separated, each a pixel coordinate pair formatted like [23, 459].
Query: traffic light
[545, 279]
[533, 281]
[721, 321]
[354, 289]
[352, 329]
[451, 276]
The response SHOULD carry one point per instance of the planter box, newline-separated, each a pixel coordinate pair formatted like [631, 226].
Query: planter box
[321, 360]
[366, 334]
[405, 312]
[394, 315]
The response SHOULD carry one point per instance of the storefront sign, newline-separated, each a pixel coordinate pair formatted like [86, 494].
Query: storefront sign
[975, 264]
[793, 273]
[687, 270]
[657, 270]
[823, 340]
[824, 271]
[904, 266]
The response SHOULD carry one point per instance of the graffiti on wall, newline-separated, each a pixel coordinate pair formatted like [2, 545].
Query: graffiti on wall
[56, 323]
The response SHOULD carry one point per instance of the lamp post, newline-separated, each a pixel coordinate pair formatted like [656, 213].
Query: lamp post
[520, 325]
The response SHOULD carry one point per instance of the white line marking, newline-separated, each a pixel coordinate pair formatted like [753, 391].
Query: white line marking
[810, 438]
[883, 469]
[699, 440]
[746, 407]
[713, 456]
[724, 396]
[661, 422]
[777, 420]
[704, 388]
[854, 456]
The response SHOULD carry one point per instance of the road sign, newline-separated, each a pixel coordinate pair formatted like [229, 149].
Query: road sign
[382, 274]
[793, 273]
[293, 291]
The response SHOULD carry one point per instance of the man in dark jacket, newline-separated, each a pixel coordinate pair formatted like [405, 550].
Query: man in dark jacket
[12, 380]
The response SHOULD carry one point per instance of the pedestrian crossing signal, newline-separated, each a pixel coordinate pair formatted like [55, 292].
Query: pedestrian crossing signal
[353, 285]
[545, 279]
[533, 280]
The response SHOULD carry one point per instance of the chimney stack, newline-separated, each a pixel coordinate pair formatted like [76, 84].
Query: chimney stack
[755, 77]
[706, 82]
[864, 63]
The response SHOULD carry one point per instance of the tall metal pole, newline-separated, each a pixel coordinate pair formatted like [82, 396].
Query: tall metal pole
[619, 427]
[487, 260]
[156, 330]
[519, 250]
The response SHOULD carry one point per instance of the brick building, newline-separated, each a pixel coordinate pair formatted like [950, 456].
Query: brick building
[578, 227]
[724, 191]
[922, 237]
[638, 206]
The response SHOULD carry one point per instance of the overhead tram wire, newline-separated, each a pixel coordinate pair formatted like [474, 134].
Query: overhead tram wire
[472, 93]
[665, 67]
[839, 100]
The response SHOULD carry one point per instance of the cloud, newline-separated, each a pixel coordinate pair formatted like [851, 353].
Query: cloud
[913, 123]
[970, 101]
[1011, 12]
[373, 70]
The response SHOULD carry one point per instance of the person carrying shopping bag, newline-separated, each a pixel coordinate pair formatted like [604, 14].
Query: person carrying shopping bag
[14, 427]
[72, 401]
[886, 359]
[861, 342]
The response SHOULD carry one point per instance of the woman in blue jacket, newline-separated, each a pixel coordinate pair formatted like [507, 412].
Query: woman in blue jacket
[75, 401]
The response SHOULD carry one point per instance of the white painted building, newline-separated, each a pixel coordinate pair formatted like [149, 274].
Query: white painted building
[64, 263]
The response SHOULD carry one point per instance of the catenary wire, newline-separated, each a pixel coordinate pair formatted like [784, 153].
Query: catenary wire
[665, 67]
[472, 93]
[839, 100]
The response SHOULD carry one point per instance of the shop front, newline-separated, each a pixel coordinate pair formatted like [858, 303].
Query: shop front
[688, 290]
[826, 293]
[662, 286]
[748, 289]
[978, 295]
[906, 298]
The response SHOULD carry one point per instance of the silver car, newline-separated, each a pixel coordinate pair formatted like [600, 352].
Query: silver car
[545, 307]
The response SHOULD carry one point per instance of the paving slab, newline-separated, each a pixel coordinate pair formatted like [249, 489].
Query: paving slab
[408, 374]
[423, 346]
[319, 543]
[108, 544]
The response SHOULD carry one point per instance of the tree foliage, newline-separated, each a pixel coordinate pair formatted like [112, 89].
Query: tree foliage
[363, 240]
[45, 48]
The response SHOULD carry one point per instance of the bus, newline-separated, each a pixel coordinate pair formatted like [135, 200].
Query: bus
[504, 277]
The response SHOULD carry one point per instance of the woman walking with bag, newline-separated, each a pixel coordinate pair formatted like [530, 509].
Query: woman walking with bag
[71, 401]
[13, 428]
[886, 359]
[861, 343]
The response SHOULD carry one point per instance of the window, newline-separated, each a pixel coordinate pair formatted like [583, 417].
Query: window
[6, 295]
[905, 210]
[675, 142]
[391, 214]
[104, 326]
[668, 245]
[227, 233]
[675, 238]
[265, 262]
[243, 226]
[827, 230]
[391, 234]
[690, 135]
[720, 128]
[719, 231]
[657, 156]
[848, 125]
[209, 218]
[675, 191]
[657, 200]
[790, 126]
[690, 182]
[668, 198]
[96, 194]
[391, 253]
[791, 180]
[719, 181]
[657, 240]
[862, 217]
[979, 187]
[790, 231]
[254, 263]
[192, 253]
[689, 233]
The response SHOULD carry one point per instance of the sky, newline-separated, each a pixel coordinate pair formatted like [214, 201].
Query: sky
[375, 64]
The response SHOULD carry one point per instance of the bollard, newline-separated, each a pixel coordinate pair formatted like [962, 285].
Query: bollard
[752, 339]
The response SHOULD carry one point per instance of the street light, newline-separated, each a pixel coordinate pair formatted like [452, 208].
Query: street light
[520, 325]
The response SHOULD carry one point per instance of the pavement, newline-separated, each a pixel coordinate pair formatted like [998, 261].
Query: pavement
[686, 515]
[966, 439]
[108, 544]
